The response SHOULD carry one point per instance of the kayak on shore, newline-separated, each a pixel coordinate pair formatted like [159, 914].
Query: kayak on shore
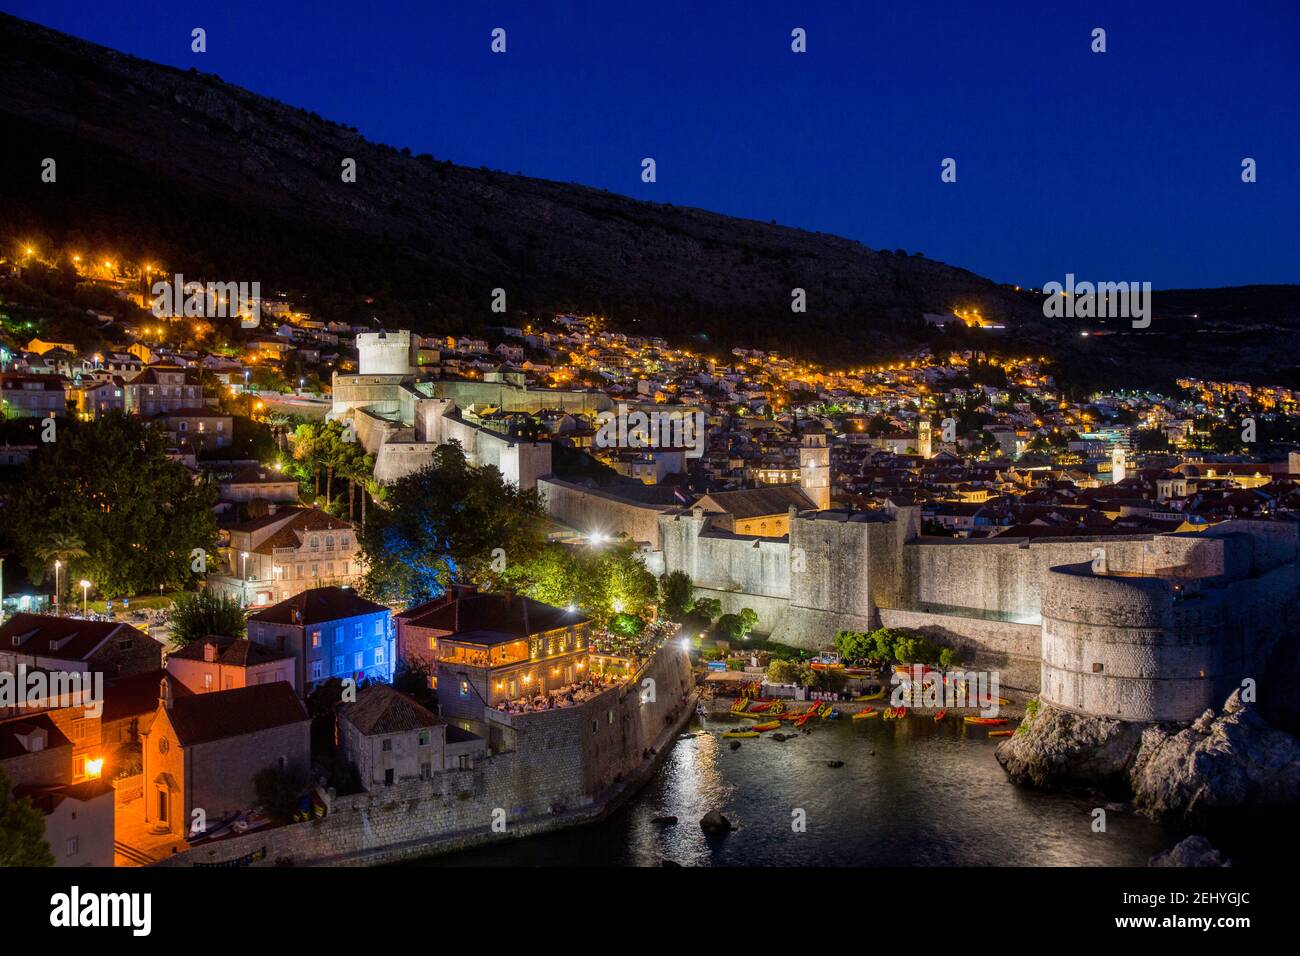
[985, 721]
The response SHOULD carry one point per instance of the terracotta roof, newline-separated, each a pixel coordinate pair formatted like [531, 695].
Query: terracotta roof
[202, 718]
[138, 694]
[233, 652]
[11, 746]
[317, 605]
[290, 536]
[489, 618]
[379, 709]
[757, 502]
[47, 799]
[64, 638]
[303, 519]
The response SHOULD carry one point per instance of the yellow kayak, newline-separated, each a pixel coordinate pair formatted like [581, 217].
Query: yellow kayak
[878, 695]
[770, 725]
[864, 714]
[741, 733]
[1001, 733]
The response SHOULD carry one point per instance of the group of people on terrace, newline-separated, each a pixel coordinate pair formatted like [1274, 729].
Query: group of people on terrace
[568, 695]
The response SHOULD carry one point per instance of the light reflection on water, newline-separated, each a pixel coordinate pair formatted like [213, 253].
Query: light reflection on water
[910, 793]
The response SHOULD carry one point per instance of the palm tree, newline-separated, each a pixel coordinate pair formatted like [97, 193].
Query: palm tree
[307, 449]
[279, 425]
[61, 546]
[370, 486]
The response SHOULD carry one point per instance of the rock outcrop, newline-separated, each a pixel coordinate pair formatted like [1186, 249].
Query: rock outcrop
[1229, 761]
[1057, 750]
[1193, 851]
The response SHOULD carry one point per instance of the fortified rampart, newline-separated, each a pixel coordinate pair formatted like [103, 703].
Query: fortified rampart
[1168, 646]
[590, 510]
[557, 768]
[1165, 627]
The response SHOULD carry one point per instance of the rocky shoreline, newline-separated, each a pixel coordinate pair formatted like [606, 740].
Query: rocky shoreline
[1196, 775]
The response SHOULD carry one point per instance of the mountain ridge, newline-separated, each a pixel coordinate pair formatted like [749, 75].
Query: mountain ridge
[178, 166]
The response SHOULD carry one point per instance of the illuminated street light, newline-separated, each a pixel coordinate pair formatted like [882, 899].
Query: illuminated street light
[85, 595]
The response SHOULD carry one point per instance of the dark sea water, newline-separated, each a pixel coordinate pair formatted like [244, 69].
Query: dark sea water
[930, 795]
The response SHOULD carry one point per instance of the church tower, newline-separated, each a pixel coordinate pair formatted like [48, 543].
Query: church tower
[1118, 464]
[815, 468]
[924, 439]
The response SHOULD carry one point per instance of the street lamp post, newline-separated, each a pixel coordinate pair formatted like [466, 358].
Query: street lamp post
[85, 593]
[57, 565]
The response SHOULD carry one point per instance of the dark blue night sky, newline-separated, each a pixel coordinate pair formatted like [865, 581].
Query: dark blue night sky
[1123, 165]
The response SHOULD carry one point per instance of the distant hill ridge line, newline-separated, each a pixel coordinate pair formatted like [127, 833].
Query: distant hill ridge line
[184, 166]
[554, 242]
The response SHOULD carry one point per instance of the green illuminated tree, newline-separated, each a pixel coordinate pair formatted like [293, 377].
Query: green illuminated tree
[22, 831]
[109, 486]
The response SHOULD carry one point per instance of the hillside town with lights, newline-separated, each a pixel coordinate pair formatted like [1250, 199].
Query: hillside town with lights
[267, 576]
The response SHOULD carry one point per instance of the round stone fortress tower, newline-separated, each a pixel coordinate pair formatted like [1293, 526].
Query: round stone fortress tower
[387, 353]
[1156, 646]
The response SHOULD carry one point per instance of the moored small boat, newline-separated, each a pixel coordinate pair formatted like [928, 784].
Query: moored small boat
[1001, 733]
[741, 733]
[941, 715]
[769, 725]
[863, 714]
[985, 721]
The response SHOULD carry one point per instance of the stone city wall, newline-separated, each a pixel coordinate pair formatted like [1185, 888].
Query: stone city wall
[569, 766]
[1010, 649]
[589, 509]
[1150, 649]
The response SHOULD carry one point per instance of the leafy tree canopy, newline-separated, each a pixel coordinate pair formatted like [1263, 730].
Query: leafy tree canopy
[135, 515]
[449, 522]
[22, 831]
[194, 616]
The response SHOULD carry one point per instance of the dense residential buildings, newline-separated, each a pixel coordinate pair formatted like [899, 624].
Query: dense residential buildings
[225, 663]
[112, 648]
[330, 632]
[203, 751]
[162, 388]
[285, 552]
[391, 738]
[480, 650]
[33, 396]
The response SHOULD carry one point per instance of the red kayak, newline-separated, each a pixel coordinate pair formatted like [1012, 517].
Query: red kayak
[940, 716]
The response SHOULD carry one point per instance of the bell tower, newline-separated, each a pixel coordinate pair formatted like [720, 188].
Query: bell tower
[815, 468]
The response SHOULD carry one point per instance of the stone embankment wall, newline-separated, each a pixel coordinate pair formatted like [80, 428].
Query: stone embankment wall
[1012, 650]
[589, 509]
[568, 766]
